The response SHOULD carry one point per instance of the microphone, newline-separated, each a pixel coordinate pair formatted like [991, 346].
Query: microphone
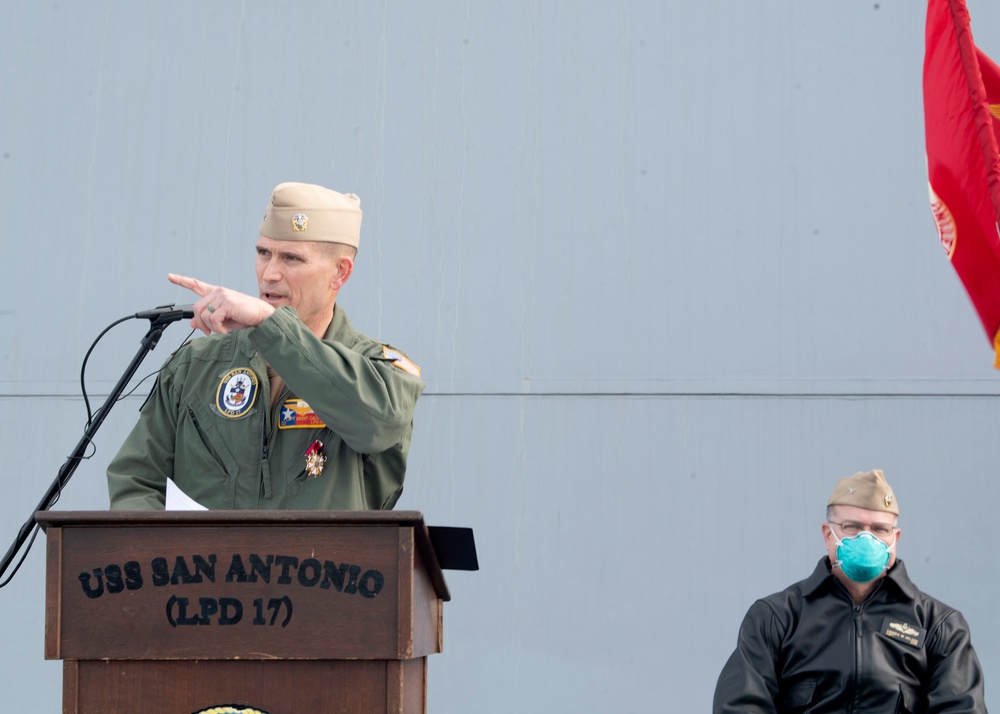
[167, 313]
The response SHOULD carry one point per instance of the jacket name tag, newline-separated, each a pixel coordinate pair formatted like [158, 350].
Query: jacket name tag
[903, 631]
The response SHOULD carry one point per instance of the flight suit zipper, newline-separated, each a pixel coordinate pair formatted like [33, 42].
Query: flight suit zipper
[265, 449]
[271, 418]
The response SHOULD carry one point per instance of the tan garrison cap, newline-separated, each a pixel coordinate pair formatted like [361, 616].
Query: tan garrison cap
[305, 211]
[865, 489]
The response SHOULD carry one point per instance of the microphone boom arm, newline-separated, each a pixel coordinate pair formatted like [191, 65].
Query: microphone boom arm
[158, 323]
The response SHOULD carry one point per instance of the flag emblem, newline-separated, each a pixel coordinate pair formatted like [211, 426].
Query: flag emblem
[297, 414]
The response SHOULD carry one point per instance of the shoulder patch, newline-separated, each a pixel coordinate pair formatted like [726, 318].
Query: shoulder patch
[896, 629]
[237, 392]
[400, 360]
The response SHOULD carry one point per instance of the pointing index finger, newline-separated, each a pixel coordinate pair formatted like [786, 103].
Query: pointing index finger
[193, 284]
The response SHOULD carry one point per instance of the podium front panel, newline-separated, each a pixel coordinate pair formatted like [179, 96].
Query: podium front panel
[210, 591]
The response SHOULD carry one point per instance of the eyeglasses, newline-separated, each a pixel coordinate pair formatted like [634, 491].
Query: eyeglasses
[852, 528]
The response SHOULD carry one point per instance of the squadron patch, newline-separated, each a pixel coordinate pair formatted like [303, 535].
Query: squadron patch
[398, 359]
[296, 414]
[902, 631]
[237, 392]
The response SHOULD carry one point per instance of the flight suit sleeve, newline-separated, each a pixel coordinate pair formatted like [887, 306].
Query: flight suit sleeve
[955, 677]
[384, 473]
[137, 476]
[748, 683]
[362, 396]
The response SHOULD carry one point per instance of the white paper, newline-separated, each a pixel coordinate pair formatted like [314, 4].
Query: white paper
[177, 500]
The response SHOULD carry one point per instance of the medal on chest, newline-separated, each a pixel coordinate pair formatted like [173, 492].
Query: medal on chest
[315, 460]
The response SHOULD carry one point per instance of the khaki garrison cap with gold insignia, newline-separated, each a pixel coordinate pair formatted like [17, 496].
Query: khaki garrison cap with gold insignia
[865, 489]
[305, 211]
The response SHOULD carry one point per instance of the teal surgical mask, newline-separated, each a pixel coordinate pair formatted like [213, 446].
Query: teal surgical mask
[862, 557]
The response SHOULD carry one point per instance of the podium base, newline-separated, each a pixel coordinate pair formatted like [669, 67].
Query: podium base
[267, 686]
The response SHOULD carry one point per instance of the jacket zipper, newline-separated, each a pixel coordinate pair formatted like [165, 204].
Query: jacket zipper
[858, 655]
[859, 611]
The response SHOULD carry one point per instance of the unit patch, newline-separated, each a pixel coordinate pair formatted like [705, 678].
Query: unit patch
[237, 392]
[902, 631]
[400, 360]
[296, 414]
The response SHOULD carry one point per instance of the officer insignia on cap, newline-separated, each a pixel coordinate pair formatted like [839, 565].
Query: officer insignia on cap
[888, 500]
[237, 392]
[300, 222]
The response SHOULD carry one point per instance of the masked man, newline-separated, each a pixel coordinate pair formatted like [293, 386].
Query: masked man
[856, 635]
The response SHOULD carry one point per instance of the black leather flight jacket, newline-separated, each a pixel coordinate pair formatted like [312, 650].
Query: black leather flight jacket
[810, 648]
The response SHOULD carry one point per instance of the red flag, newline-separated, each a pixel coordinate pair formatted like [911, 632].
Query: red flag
[961, 110]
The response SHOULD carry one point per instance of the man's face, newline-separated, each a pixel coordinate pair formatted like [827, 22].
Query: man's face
[850, 518]
[301, 274]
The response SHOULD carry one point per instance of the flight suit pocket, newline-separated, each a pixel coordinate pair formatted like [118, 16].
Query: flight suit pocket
[208, 452]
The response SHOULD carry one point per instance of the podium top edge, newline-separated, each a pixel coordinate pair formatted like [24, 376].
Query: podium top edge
[356, 519]
[256, 518]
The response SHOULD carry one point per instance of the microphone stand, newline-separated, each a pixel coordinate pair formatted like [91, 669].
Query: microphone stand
[158, 323]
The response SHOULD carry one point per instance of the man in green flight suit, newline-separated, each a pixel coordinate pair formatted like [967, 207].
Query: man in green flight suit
[284, 405]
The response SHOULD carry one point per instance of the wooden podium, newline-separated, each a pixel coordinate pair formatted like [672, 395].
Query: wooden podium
[283, 612]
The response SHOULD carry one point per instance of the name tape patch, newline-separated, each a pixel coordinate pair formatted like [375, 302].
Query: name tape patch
[903, 632]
